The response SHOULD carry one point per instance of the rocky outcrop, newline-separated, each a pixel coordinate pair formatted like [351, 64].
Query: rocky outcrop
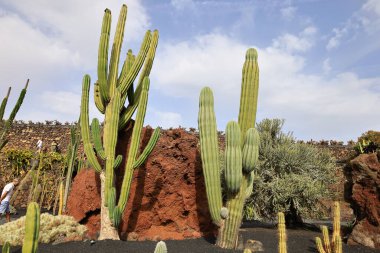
[167, 198]
[364, 180]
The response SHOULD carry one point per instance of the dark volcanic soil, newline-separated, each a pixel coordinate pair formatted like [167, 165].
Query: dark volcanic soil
[299, 240]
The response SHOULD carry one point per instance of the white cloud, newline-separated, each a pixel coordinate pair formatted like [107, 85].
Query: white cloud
[292, 43]
[182, 4]
[366, 19]
[288, 12]
[62, 102]
[326, 66]
[163, 119]
[314, 106]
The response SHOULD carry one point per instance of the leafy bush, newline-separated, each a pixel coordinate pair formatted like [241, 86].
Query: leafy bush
[290, 176]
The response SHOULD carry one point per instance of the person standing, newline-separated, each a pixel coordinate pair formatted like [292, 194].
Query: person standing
[6, 197]
[39, 145]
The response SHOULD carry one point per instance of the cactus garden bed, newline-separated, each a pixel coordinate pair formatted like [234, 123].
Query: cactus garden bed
[299, 240]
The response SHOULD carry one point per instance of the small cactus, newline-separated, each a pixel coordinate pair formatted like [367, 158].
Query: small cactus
[335, 244]
[281, 233]
[32, 228]
[6, 248]
[161, 247]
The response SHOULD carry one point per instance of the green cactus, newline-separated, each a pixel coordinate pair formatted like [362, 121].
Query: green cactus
[233, 158]
[281, 233]
[6, 248]
[111, 91]
[6, 124]
[335, 244]
[32, 228]
[161, 247]
[71, 159]
[241, 154]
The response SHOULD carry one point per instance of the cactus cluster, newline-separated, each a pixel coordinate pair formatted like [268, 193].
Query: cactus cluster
[335, 244]
[111, 92]
[6, 124]
[241, 154]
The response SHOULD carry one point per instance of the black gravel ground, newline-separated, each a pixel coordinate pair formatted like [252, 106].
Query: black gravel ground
[299, 240]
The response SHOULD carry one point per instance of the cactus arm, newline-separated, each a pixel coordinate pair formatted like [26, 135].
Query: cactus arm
[136, 134]
[249, 92]
[116, 48]
[98, 99]
[338, 244]
[117, 162]
[319, 244]
[326, 239]
[84, 125]
[128, 79]
[161, 247]
[233, 158]
[127, 113]
[128, 63]
[60, 208]
[103, 57]
[281, 233]
[210, 153]
[6, 248]
[96, 138]
[4, 104]
[148, 149]
[150, 57]
[32, 228]
[110, 138]
[336, 222]
[251, 150]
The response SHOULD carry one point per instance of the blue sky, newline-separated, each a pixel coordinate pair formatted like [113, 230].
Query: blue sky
[319, 59]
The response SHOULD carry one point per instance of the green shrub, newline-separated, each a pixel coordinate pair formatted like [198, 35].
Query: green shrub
[290, 176]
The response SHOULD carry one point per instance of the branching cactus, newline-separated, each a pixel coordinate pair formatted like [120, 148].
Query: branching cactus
[32, 228]
[335, 244]
[241, 155]
[111, 92]
[6, 124]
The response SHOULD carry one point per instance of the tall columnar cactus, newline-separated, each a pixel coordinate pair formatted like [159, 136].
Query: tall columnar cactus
[32, 228]
[71, 158]
[241, 154]
[335, 244]
[111, 92]
[281, 233]
[6, 124]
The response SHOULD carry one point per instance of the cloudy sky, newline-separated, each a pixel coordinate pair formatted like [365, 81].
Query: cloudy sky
[319, 59]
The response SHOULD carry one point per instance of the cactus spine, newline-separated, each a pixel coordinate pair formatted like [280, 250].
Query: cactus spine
[241, 154]
[32, 228]
[161, 247]
[335, 244]
[6, 125]
[111, 91]
[281, 233]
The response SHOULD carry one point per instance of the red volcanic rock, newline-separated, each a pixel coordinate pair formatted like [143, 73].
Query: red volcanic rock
[366, 199]
[84, 200]
[167, 198]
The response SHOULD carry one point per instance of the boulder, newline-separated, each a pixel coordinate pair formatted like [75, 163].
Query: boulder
[365, 199]
[167, 198]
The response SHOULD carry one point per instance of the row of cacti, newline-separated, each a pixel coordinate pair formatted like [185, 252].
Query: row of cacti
[111, 91]
[6, 124]
[335, 244]
[241, 154]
